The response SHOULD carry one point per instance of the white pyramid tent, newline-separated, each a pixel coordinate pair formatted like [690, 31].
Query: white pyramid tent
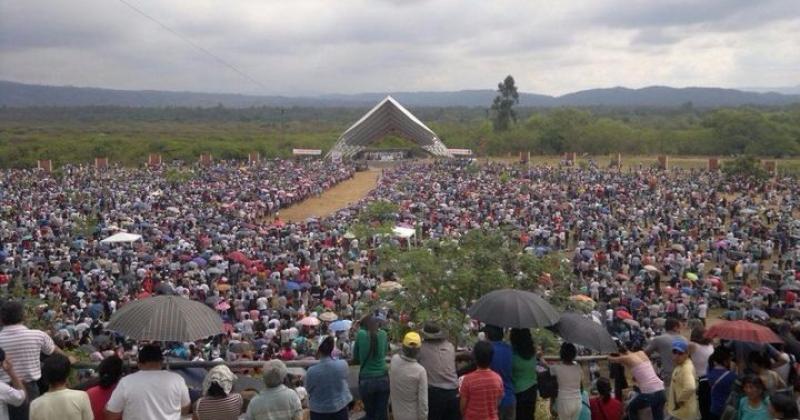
[388, 117]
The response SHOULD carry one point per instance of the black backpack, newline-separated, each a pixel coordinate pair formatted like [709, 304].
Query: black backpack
[548, 385]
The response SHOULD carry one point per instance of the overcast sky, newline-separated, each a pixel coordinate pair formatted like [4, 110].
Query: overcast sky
[346, 46]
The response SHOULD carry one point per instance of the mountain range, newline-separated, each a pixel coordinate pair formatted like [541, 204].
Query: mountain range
[14, 94]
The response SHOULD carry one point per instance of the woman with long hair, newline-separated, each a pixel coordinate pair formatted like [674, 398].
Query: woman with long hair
[110, 371]
[369, 351]
[523, 373]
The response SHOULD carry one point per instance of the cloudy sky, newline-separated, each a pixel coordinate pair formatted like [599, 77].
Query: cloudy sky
[346, 46]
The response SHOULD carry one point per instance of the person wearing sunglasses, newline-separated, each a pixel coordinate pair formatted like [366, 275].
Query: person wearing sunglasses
[682, 397]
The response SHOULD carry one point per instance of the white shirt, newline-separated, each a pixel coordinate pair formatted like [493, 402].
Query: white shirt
[150, 394]
[9, 395]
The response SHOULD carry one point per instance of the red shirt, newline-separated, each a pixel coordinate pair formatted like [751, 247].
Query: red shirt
[790, 297]
[98, 397]
[610, 410]
[482, 389]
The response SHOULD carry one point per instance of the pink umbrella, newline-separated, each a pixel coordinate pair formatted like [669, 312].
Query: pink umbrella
[309, 321]
[223, 306]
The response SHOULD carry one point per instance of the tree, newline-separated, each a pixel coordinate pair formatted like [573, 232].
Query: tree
[502, 107]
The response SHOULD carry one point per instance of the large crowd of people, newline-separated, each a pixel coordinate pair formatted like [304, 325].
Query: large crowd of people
[652, 255]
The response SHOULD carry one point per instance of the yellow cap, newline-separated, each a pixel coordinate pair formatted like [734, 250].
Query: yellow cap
[412, 339]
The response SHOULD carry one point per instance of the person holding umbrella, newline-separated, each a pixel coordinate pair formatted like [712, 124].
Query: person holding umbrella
[502, 365]
[523, 372]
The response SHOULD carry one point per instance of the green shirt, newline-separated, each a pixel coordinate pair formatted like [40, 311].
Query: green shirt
[375, 365]
[523, 372]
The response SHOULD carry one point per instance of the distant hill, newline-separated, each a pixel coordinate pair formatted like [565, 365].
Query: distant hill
[25, 95]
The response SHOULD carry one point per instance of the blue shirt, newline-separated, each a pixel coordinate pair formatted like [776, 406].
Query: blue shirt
[327, 386]
[501, 364]
[720, 391]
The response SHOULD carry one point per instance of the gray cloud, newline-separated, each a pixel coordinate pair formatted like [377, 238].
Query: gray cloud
[318, 46]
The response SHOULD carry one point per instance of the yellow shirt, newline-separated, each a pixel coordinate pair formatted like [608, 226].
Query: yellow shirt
[683, 389]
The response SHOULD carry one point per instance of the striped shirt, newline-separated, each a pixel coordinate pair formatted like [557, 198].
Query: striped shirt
[23, 347]
[483, 390]
[227, 408]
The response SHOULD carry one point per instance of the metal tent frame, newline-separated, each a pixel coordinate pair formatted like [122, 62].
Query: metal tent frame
[387, 117]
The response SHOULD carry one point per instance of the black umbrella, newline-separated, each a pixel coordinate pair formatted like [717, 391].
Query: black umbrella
[510, 308]
[577, 329]
[166, 318]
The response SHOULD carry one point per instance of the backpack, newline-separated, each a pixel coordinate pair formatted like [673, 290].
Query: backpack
[548, 385]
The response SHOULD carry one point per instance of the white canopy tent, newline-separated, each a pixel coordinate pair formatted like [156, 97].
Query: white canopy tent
[403, 232]
[121, 237]
[387, 117]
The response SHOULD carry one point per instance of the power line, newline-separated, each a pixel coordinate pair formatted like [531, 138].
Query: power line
[194, 44]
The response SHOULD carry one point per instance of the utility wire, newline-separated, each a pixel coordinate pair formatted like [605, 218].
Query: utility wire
[194, 44]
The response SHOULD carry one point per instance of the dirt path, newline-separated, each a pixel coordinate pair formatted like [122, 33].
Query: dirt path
[338, 197]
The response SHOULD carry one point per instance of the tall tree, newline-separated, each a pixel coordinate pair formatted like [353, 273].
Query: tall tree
[503, 106]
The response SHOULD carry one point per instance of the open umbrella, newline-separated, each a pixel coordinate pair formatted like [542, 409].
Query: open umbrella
[328, 316]
[621, 314]
[691, 276]
[678, 247]
[742, 331]
[513, 308]
[166, 318]
[341, 325]
[652, 268]
[576, 329]
[309, 321]
[581, 298]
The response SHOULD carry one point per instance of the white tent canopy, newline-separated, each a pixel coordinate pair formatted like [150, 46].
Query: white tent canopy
[403, 232]
[121, 237]
[388, 117]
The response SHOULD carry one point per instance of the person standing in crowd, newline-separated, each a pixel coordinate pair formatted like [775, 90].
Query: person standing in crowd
[218, 402]
[408, 381]
[23, 347]
[60, 403]
[110, 371]
[651, 387]
[662, 345]
[523, 372]
[700, 349]
[373, 381]
[13, 394]
[569, 376]
[438, 357]
[150, 393]
[783, 407]
[604, 406]
[753, 405]
[720, 381]
[276, 401]
[327, 385]
[682, 398]
[482, 390]
[501, 364]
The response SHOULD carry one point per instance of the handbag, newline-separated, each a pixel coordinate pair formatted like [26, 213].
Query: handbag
[548, 385]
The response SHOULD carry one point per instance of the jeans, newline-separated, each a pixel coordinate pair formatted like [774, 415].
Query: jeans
[443, 404]
[21, 412]
[526, 403]
[654, 400]
[374, 394]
